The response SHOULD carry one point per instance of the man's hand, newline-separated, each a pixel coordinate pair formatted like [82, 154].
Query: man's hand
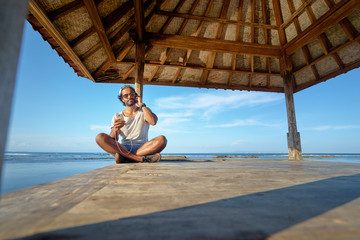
[138, 100]
[118, 124]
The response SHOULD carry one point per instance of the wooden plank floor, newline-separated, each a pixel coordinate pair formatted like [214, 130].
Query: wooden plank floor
[191, 200]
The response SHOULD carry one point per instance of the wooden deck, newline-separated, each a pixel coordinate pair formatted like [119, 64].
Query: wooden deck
[191, 200]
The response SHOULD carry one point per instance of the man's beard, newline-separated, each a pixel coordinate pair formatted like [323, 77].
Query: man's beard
[130, 102]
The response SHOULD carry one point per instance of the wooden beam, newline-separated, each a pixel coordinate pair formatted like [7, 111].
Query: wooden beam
[179, 65]
[333, 16]
[166, 82]
[118, 33]
[334, 50]
[218, 20]
[215, 45]
[212, 55]
[296, 13]
[117, 14]
[94, 15]
[323, 39]
[64, 10]
[279, 21]
[237, 33]
[198, 30]
[168, 50]
[73, 43]
[40, 15]
[345, 69]
[91, 51]
[125, 49]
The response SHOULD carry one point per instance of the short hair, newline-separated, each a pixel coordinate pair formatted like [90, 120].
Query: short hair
[121, 89]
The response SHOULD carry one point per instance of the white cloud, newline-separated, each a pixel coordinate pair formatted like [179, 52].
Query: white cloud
[246, 122]
[99, 128]
[328, 127]
[170, 125]
[174, 115]
[238, 142]
[209, 104]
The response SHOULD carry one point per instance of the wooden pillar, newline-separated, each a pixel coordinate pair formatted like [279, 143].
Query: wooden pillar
[140, 46]
[293, 136]
[139, 68]
[12, 17]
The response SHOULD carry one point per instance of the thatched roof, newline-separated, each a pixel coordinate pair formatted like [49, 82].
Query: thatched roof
[224, 44]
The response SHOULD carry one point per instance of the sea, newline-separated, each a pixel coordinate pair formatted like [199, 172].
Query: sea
[25, 169]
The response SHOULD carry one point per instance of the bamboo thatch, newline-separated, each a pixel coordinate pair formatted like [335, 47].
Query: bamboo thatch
[225, 44]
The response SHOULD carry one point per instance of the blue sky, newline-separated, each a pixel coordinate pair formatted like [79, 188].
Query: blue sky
[55, 110]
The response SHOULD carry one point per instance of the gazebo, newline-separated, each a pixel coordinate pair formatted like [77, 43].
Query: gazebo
[280, 46]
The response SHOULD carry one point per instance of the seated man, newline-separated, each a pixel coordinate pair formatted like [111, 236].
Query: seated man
[132, 124]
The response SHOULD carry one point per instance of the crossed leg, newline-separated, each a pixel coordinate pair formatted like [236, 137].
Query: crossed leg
[108, 144]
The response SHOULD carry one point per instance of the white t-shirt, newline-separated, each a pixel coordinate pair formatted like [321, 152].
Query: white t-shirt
[135, 131]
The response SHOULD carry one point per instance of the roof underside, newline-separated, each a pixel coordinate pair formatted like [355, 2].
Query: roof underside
[223, 44]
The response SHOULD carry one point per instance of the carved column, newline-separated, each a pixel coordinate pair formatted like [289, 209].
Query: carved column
[293, 136]
[12, 17]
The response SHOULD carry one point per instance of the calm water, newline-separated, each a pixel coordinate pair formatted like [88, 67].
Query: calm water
[22, 170]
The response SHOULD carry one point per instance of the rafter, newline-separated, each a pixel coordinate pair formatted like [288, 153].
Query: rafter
[73, 43]
[345, 24]
[215, 45]
[40, 15]
[178, 65]
[66, 9]
[94, 15]
[119, 32]
[181, 29]
[268, 66]
[237, 33]
[334, 50]
[296, 13]
[168, 50]
[165, 82]
[333, 16]
[188, 52]
[329, 76]
[218, 20]
[126, 48]
[212, 55]
[117, 14]
[279, 21]
[323, 39]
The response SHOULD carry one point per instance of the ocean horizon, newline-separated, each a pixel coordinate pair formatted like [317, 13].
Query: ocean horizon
[25, 169]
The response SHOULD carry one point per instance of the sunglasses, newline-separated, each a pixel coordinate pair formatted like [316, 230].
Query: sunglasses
[127, 95]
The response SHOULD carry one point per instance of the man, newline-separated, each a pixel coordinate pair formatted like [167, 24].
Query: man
[132, 124]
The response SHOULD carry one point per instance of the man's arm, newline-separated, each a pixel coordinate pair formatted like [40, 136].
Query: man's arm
[150, 117]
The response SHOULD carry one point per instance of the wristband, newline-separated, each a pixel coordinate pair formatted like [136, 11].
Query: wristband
[142, 105]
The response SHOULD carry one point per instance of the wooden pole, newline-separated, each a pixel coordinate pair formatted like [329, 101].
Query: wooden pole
[12, 17]
[139, 68]
[140, 46]
[293, 136]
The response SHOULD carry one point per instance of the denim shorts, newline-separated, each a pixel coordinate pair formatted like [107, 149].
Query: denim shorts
[131, 148]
